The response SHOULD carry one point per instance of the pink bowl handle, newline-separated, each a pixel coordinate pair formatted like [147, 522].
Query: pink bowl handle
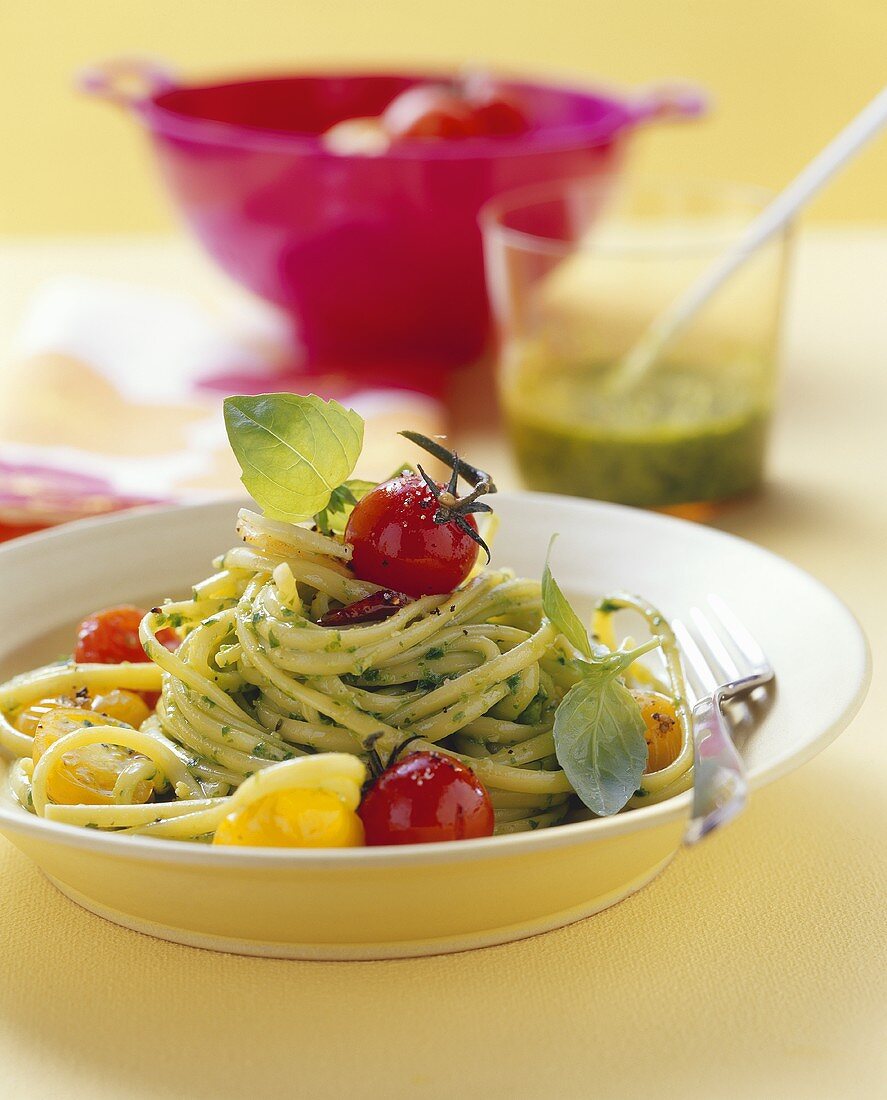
[126, 81]
[661, 102]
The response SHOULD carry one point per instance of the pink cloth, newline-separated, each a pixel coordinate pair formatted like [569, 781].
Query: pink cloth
[113, 398]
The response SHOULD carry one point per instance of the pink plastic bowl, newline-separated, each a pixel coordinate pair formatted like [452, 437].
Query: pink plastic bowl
[375, 258]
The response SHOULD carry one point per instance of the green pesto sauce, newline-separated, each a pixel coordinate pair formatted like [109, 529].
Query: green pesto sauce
[685, 435]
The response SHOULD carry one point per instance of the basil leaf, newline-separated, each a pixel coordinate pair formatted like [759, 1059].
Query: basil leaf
[293, 451]
[558, 610]
[599, 739]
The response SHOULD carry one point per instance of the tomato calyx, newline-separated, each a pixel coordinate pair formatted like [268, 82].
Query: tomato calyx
[374, 762]
[450, 507]
[371, 609]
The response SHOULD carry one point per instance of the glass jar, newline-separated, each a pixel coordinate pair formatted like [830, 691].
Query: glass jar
[577, 272]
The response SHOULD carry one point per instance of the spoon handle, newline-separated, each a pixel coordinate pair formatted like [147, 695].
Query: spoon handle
[804, 186]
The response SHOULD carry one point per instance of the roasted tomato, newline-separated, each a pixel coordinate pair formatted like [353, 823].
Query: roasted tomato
[298, 818]
[476, 106]
[496, 111]
[396, 542]
[85, 776]
[663, 729]
[426, 797]
[429, 111]
[111, 637]
[125, 706]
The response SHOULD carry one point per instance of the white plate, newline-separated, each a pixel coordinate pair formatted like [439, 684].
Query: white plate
[429, 898]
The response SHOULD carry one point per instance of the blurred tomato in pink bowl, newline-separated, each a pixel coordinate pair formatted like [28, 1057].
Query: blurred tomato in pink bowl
[366, 234]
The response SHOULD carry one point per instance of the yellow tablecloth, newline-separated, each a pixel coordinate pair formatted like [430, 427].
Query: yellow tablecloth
[755, 964]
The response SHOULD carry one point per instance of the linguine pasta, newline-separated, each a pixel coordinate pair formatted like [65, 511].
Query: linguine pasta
[256, 682]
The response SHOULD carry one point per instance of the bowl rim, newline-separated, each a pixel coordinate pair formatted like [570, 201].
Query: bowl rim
[16, 820]
[618, 115]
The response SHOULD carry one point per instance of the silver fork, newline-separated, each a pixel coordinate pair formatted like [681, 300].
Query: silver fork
[710, 648]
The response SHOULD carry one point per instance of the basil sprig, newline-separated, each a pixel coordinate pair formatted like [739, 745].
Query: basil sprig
[599, 735]
[333, 519]
[294, 452]
[598, 727]
[557, 609]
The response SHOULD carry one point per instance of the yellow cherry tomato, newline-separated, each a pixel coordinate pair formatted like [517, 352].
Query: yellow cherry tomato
[663, 730]
[83, 776]
[125, 706]
[26, 719]
[302, 817]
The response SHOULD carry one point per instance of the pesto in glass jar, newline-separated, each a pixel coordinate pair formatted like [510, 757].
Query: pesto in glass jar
[686, 434]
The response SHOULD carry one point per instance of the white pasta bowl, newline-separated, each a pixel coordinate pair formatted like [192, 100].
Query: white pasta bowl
[422, 899]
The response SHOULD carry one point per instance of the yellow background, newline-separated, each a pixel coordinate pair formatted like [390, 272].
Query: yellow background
[784, 75]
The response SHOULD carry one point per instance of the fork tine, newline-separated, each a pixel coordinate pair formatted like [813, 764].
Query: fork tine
[723, 665]
[696, 664]
[744, 642]
[693, 690]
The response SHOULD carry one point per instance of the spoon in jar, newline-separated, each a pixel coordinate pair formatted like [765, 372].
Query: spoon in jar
[636, 364]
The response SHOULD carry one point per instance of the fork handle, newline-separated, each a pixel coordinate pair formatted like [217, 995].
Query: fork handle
[720, 788]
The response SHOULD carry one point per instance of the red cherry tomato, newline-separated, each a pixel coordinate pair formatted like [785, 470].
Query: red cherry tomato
[396, 542]
[429, 111]
[496, 112]
[111, 636]
[426, 797]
